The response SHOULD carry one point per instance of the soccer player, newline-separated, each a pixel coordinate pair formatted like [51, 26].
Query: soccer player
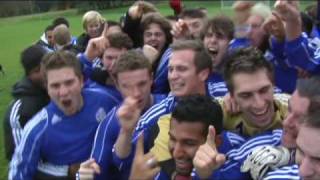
[60, 136]
[304, 100]
[133, 77]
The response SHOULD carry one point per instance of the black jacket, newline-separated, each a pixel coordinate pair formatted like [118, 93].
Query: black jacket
[33, 99]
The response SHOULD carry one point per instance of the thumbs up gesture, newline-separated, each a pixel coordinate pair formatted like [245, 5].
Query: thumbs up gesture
[96, 46]
[145, 166]
[207, 158]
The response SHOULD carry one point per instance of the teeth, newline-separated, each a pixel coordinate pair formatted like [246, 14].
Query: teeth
[261, 113]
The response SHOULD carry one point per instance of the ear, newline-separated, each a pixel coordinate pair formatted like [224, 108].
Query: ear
[204, 74]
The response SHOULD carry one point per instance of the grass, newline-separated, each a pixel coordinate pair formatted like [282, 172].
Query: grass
[17, 33]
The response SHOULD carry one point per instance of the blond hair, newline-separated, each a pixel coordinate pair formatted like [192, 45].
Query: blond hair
[91, 16]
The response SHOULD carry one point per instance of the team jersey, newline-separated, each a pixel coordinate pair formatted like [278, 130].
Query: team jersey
[284, 173]
[111, 91]
[304, 52]
[56, 140]
[105, 138]
[160, 82]
[216, 86]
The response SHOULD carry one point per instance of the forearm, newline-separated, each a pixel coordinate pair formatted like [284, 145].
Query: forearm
[293, 29]
[123, 144]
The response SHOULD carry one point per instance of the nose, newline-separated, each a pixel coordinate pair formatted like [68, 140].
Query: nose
[177, 151]
[63, 91]
[136, 92]
[305, 168]
[172, 74]
[259, 102]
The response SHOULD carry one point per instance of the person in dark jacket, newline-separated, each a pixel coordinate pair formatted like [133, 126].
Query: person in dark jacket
[29, 96]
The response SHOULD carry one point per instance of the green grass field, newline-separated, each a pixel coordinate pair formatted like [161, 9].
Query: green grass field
[17, 33]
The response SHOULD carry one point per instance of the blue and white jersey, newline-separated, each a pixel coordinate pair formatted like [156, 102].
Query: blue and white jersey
[56, 140]
[160, 82]
[216, 86]
[152, 115]
[112, 92]
[105, 138]
[304, 52]
[236, 156]
[284, 173]
[87, 65]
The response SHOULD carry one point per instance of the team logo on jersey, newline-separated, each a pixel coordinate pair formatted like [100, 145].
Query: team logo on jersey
[55, 119]
[101, 114]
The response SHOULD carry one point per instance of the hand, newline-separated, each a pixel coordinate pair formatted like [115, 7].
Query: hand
[128, 114]
[287, 9]
[180, 30]
[275, 27]
[207, 158]
[264, 157]
[145, 166]
[96, 46]
[139, 8]
[150, 52]
[88, 169]
[230, 105]
[289, 12]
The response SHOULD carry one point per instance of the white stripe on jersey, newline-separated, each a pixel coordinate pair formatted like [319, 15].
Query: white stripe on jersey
[14, 122]
[234, 138]
[52, 169]
[154, 111]
[247, 147]
[17, 158]
[112, 114]
[286, 172]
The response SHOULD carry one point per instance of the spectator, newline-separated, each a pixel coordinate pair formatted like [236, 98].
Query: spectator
[29, 97]
[93, 24]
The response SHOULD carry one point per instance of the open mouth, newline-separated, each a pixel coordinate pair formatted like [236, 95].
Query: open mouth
[213, 51]
[66, 103]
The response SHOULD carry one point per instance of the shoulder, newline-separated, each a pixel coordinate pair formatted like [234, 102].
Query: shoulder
[283, 173]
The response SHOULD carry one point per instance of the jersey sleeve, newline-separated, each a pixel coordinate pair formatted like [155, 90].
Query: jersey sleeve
[27, 154]
[304, 53]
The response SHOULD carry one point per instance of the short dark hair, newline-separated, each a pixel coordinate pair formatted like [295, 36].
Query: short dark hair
[192, 13]
[130, 61]
[61, 59]
[31, 58]
[202, 59]
[49, 28]
[313, 119]
[199, 108]
[60, 20]
[220, 25]
[309, 88]
[245, 60]
[120, 40]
